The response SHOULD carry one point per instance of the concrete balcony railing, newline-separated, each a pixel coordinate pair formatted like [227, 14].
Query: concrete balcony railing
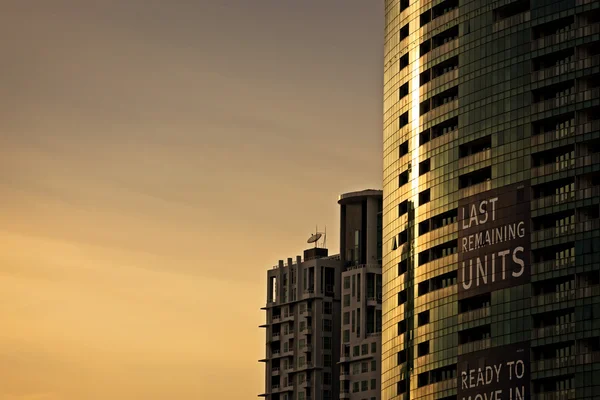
[538, 333]
[578, 162]
[552, 265]
[566, 295]
[512, 21]
[551, 40]
[475, 189]
[562, 362]
[552, 233]
[556, 199]
[475, 158]
[474, 314]
[557, 134]
[565, 68]
[562, 101]
[557, 395]
[474, 346]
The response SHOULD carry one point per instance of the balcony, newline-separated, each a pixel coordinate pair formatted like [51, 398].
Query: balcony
[275, 336]
[558, 395]
[578, 162]
[567, 295]
[558, 134]
[563, 362]
[562, 101]
[552, 265]
[306, 312]
[548, 331]
[475, 158]
[556, 232]
[475, 189]
[561, 69]
[571, 34]
[275, 371]
[474, 314]
[374, 300]
[474, 346]
[562, 198]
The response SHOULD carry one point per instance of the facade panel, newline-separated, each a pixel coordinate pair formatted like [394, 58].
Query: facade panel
[481, 100]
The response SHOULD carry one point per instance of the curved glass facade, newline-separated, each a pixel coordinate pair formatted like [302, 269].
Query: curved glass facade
[491, 186]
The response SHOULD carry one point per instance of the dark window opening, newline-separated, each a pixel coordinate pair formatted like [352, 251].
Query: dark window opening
[445, 37]
[404, 148]
[424, 137]
[556, 155]
[404, 5]
[445, 97]
[439, 251]
[401, 387]
[474, 303]
[475, 146]
[424, 48]
[424, 107]
[423, 379]
[402, 297]
[443, 219]
[403, 178]
[424, 197]
[444, 127]
[403, 120]
[402, 267]
[424, 167]
[401, 357]
[424, 77]
[553, 318]
[511, 9]
[444, 67]
[423, 349]
[404, 90]
[423, 288]
[561, 123]
[474, 334]
[554, 91]
[554, 59]
[401, 327]
[404, 32]
[443, 281]
[423, 318]
[553, 27]
[563, 188]
[475, 177]
[404, 61]
[402, 237]
[402, 208]
[443, 8]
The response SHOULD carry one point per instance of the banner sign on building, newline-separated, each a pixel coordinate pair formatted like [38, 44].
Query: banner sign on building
[499, 373]
[494, 240]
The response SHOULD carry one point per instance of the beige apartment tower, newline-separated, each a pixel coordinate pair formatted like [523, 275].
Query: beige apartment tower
[303, 328]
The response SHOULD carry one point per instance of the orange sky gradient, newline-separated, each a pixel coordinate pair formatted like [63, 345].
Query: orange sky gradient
[156, 159]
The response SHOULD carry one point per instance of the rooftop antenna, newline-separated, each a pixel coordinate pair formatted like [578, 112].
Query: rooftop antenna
[314, 238]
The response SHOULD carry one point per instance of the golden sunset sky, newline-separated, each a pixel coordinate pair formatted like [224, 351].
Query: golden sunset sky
[157, 157]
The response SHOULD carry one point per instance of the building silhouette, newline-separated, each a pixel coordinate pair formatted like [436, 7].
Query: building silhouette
[491, 188]
[360, 252]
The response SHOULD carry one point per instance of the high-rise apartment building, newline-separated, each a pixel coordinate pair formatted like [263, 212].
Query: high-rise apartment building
[360, 252]
[491, 192]
[303, 328]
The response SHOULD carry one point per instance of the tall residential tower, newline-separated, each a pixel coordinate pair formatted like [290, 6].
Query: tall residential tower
[491, 192]
[360, 252]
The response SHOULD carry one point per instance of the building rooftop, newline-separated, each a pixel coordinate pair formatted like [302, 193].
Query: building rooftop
[360, 195]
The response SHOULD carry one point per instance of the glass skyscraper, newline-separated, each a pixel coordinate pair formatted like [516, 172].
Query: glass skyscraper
[491, 193]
